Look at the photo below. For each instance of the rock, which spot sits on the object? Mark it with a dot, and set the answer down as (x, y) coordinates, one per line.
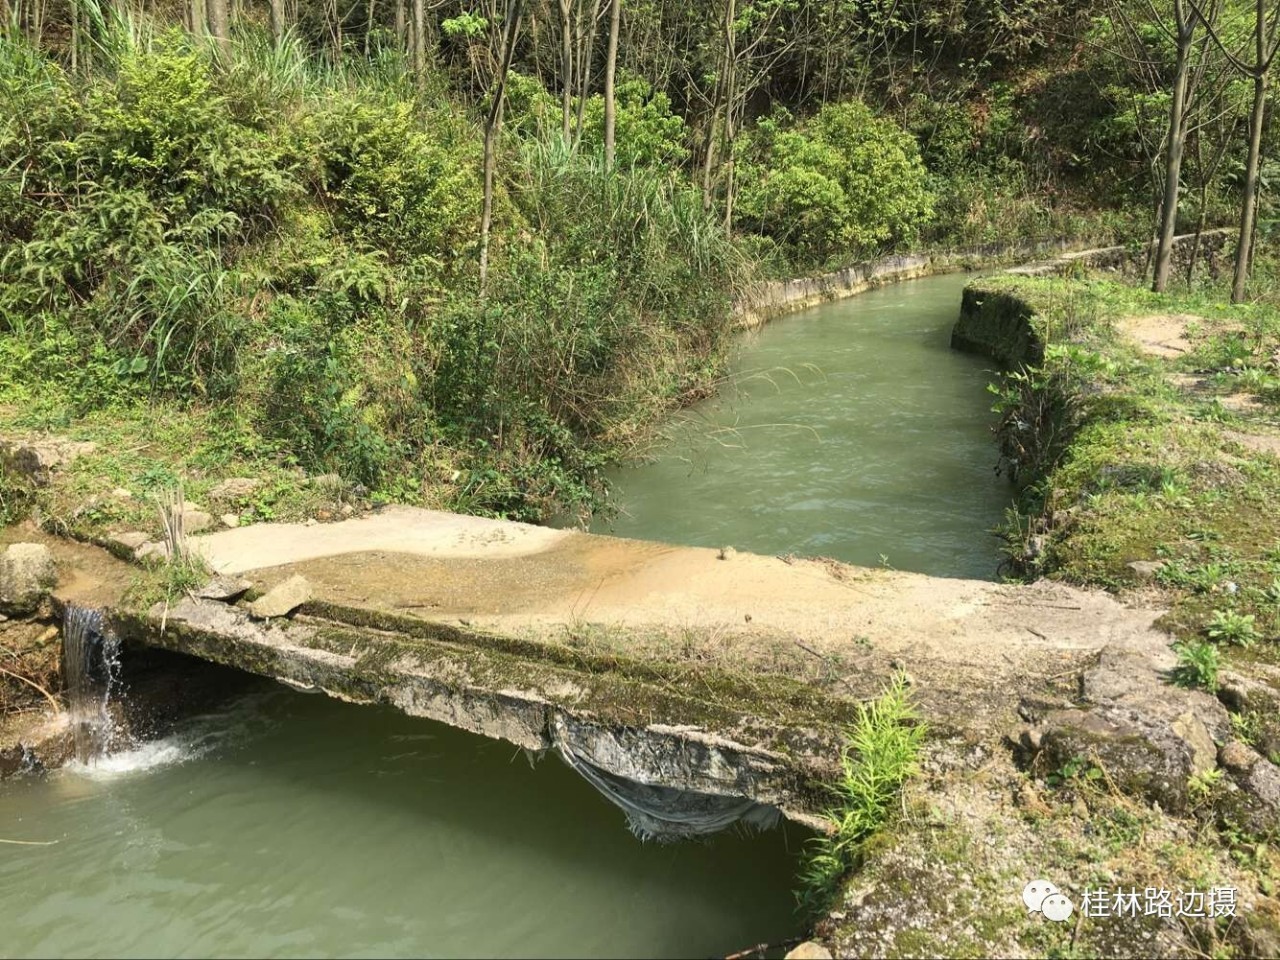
(27, 574)
(34, 460)
(727, 553)
(809, 951)
(1145, 569)
(235, 488)
(152, 549)
(230, 520)
(1255, 806)
(127, 542)
(120, 493)
(283, 598)
(1138, 763)
(226, 589)
(1204, 752)
(347, 510)
(194, 519)
(1237, 758)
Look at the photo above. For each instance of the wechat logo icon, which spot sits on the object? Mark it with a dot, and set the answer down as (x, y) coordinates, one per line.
(1045, 898)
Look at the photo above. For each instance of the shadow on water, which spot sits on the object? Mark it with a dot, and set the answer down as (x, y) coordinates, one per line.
(287, 824)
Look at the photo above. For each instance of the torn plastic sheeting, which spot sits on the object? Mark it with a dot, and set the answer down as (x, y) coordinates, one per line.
(665, 813)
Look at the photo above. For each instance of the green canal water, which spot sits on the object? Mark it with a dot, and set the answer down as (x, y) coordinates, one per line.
(294, 825)
(283, 824)
(851, 431)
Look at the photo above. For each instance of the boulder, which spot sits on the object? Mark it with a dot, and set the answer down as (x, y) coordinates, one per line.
(809, 951)
(230, 520)
(35, 460)
(127, 542)
(235, 488)
(151, 549)
(194, 519)
(283, 598)
(27, 574)
(226, 589)
(1145, 569)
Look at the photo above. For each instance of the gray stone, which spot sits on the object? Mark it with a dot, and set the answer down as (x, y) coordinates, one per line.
(35, 460)
(194, 519)
(1139, 764)
(160, 551)
(283, 598)
(235, 488)
(226, 589)
(809, 951)
(1192, 732)
(1145, 569)
(1237, 758)
(27, 574)
(129, 541)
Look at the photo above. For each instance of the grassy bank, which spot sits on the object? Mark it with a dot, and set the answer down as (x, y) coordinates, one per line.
(265, 264)
(1147, 450)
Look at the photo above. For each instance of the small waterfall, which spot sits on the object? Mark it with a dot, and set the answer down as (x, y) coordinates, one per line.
(91, 671)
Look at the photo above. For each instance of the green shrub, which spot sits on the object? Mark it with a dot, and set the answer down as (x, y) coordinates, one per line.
(845, 184)
(881, 751)
(1198, 665)
(1227, 626)
(401, 183)
(647, 133)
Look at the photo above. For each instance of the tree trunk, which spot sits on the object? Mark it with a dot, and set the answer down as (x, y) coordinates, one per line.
(1249, 206)
(588, 9)
(566, 67)
(277, 19)
(731, 105)
(218, 22)
(610, 73)
(369, 13)
(420, 42)
(401, 20)
(492, 128)
(199, 17)
(74, 13)
(1173, 155)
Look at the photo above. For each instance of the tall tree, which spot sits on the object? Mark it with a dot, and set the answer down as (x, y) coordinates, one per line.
(420, 41)
(1182, 32)
(492, 128)
(277, 18)
(610, 75)
(1265, 41)
(218, 23)
(568, 22)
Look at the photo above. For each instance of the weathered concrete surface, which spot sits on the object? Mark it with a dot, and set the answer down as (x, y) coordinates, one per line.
(663, 664)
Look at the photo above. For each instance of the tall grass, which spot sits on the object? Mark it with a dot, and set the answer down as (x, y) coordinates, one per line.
(881, 752)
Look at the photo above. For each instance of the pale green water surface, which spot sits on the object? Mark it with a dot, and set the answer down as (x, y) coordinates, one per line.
(294, 825)
(852, 431)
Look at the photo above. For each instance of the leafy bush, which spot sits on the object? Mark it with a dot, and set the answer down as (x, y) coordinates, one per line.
(1198, 665)
(1227, 626)
(401, 183)
(647, 132)
(846, 184)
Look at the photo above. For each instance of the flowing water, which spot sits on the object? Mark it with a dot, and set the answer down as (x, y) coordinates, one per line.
(295, 825)
(91, 668)
(289, 825)
(852, 431)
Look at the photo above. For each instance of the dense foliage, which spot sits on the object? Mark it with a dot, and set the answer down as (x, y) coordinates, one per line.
(314, 264)
(286, 222)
